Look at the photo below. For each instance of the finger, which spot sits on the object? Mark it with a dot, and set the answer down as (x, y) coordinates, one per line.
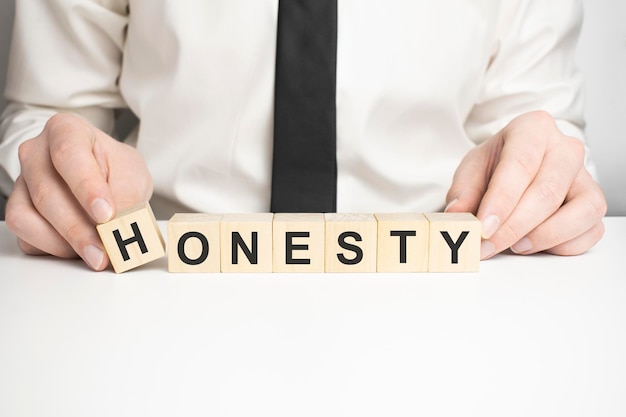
(584, 209)
(581, 243)
(469, 182)
(76, 155)
(53, 201)
(522, 152)
(29, 249)
(129, 178)
(545, 194)
(35, 235)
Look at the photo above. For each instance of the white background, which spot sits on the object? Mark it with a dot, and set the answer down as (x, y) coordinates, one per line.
(538, 336)
(602, 57)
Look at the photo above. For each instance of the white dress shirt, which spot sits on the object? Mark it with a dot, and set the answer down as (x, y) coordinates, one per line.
(419, 83)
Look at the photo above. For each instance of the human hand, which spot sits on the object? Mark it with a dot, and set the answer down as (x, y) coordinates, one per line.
(72, 177)
(530, 189)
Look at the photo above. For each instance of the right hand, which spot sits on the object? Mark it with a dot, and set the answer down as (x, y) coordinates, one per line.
(73, 176)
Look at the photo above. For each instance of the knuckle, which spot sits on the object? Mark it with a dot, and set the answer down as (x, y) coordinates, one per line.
(60, 122)
(598, 231)
(61, 150)
(13, 217)
(41, 196)
(84, 189)
(550, 195)
(511, 233)
(25, 151)
(527, 164)
(542, 118)
(75, 234)
(597, 204)
(575, 149)
(552, 236)
(60, 128)
(27, 248)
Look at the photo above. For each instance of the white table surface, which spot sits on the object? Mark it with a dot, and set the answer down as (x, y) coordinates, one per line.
(526, 336)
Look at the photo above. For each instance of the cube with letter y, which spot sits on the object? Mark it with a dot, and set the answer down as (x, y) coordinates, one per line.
(454, 242)
(132, 238)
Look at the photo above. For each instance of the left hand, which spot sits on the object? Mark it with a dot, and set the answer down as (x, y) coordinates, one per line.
(530, 189)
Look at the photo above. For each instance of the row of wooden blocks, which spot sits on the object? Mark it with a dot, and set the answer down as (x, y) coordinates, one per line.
(282, 242)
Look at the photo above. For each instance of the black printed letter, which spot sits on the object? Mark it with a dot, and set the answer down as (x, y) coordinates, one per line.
(121, 244)
(290, 247)
(403, 235)
(454, 246)
(358, 251)
(181, 248)
(252, 255)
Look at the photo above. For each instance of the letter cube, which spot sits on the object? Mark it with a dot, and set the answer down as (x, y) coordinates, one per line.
(402, 242)
(246, 242)
(454, 242)
(298, 242)
(194, 242)
(350, 242)
(132, 238)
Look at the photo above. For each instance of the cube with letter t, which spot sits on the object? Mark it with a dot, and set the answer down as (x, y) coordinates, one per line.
(402, 242)
(132, 238)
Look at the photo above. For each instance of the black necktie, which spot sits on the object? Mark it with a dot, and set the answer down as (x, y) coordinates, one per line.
(304, 177)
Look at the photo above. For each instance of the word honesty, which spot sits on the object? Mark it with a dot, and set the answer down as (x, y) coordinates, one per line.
(286, 242)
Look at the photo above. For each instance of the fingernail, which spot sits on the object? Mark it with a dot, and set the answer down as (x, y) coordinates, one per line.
(101, 210)
(491, 224)
(93, 256)
(450, 204)
(523, 246)
(486, 249)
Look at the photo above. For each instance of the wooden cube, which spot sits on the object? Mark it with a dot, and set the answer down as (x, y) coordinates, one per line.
(402, 242)
(350, 242)
(454, 242)
(194, 242)
(246, 242)
(299, 242)
(132, 238)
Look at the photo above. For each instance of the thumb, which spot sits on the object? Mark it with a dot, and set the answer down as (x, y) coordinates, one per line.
(129, 178)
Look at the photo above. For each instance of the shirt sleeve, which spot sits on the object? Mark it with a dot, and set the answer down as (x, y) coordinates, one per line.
(65, 56)
(533, 68)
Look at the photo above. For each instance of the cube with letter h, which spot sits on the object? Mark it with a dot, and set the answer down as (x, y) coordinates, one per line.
(132, 238)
